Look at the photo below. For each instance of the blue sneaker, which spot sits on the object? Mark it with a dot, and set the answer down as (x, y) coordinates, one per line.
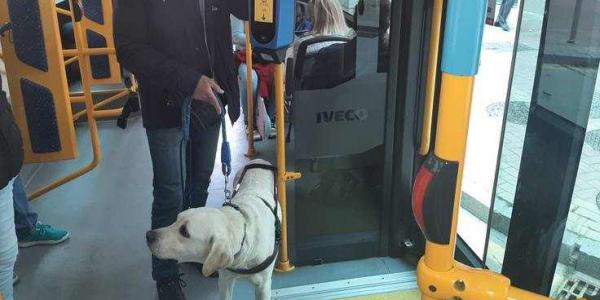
(43, 235)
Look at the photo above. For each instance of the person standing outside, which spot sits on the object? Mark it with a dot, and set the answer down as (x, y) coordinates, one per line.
(505, 8)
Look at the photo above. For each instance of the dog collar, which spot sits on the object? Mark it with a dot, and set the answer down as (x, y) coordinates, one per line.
(269, 260)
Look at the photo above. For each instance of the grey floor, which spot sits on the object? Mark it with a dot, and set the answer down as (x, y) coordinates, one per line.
(107, 212)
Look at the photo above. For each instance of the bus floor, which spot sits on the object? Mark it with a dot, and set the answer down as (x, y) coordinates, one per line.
(108, 212)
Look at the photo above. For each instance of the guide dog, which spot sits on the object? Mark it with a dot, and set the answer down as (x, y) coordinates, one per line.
(239, 240)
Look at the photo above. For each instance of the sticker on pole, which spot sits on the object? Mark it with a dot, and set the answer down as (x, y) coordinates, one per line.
(263, 11)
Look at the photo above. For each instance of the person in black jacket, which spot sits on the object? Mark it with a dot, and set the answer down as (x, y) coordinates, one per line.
(181, 53)
(11, 160)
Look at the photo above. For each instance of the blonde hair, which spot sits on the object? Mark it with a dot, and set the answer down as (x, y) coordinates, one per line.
(328, 18)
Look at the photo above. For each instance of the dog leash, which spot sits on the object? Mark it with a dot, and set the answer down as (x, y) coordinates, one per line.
(225, 148)
(225, 152)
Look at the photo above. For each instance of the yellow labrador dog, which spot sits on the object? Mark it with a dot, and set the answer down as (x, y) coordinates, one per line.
(239, 240)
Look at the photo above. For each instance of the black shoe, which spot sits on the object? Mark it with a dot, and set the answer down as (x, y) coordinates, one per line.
(199, 266)
(170, 288)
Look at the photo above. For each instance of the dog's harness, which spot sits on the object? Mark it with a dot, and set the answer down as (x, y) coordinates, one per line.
(269, 260)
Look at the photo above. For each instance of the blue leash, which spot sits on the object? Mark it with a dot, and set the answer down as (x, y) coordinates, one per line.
(225, 152)
(225, 148)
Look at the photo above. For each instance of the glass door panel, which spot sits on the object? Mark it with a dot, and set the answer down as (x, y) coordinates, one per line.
(546, 212)
(486, 120)
(517, 106)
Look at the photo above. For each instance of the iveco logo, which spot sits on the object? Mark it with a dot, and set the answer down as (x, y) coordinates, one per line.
(342, 115)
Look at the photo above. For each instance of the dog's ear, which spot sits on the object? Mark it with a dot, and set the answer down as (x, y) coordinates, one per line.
(220, 256)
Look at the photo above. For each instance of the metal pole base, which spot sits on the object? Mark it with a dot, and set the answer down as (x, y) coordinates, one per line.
(251, 153)
(284, 267)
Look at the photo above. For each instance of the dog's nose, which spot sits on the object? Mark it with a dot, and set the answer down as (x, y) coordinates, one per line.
(150, 237)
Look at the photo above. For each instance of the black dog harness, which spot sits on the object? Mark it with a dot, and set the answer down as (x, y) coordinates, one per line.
(269, 260)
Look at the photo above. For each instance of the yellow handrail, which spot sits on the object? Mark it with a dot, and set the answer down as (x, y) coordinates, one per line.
(249, 93)
(434, 49)
(81, 52)
(283, 176)
(88, 51)
(103, 103)
(71, 60)
(64, 12)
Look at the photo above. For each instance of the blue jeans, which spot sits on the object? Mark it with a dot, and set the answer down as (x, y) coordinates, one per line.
(8, 242)
(170, 164)
(244, 93)
(244, 88)
(505, 9)
(25, 219)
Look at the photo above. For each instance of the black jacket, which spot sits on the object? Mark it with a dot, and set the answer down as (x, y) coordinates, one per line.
(11, 145)
(162, 43)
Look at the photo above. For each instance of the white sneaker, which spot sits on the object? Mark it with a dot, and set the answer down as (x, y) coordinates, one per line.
(257, 136)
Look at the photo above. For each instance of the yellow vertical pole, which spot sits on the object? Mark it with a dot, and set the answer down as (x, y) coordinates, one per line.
(283, 176)
(251, 152)
(438, 272)
(462, 45)
(450, 145)
(434, 49)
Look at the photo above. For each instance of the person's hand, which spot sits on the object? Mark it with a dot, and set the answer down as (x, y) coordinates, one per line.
(205, 91)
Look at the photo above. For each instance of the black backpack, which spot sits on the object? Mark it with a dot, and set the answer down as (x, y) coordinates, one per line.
(11, 145)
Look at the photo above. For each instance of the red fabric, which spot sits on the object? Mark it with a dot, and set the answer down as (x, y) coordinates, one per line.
(265, 72)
